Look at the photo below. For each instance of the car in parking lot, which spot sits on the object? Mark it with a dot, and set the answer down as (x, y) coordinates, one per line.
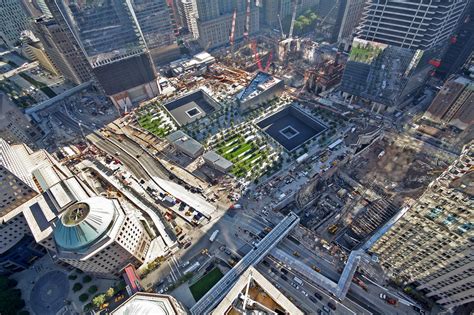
(326, 309)
(312, 299)
(284, 277)
(294, 285)
(283, 270)
(274, 270)
(304, 293)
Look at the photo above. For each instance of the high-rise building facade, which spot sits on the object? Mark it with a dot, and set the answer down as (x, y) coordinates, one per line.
(397, 45)
(349, 16)
(110, 38)
(189, 12)
(13, 21)
(431, 244)
(214, 21)
(24, 211)
(36, 8)
(411, 24)
(454, 103)
(16, 184)
(157, 22)
(62, 50)
(460, 47)
(14, 125)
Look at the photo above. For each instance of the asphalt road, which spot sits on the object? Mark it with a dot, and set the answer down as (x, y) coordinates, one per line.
(148, 161)
(127, 159)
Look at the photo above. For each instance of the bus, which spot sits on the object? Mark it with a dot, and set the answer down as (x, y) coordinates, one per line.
(213, 236)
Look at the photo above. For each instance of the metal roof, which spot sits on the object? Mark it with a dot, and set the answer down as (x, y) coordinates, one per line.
(84, 223)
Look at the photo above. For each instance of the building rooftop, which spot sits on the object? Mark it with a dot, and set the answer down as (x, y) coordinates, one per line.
(84, 223)
(149, 304)
(217, 160)
(191, 107)
(262, 296)
(184, 142)
(261, 81)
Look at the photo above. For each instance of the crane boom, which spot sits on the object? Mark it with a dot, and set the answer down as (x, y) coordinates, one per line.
(293, 18)
(269, 61)
(247, 21)
(281, 27)
(232, 32)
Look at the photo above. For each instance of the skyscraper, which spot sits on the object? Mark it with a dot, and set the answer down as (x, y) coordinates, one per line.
(36, 8)
(16, 184)
(461, 45)
(13, 22)
(348, 18)
(190, 16)
(14, 125)
(24, 175)
(108, 34)
(431, 244)
(63, 50)
(214, 21)
(411, 24)
(157, 22)
(397, 44)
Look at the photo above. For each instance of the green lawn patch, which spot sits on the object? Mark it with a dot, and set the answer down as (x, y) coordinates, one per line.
(203, 285)
(154, 125)
(246, 155)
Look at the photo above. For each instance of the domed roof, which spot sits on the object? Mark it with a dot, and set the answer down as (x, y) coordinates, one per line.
(83, 223)
(149, 304)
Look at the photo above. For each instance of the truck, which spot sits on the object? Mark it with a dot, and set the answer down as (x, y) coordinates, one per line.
(298, 281)
(192, 268)
(302, 158)
(335, 144)
(213, 236)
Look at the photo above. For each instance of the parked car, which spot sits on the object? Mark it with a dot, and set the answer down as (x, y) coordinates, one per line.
(332, 306)
(312, 299)
(383, 296)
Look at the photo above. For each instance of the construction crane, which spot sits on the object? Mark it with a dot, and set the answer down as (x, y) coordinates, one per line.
(258, 60)
(269, 61)
(232, 33)
(328, 14)
(293, 18)
(247, 21)
(256, 55)
(281, 27)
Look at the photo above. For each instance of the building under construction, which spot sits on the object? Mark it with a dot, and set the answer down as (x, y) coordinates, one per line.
(324, 76)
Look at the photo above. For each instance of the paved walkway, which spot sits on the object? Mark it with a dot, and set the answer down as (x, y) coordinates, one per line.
(49, 293)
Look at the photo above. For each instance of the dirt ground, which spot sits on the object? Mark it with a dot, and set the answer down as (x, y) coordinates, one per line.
(397, 167)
